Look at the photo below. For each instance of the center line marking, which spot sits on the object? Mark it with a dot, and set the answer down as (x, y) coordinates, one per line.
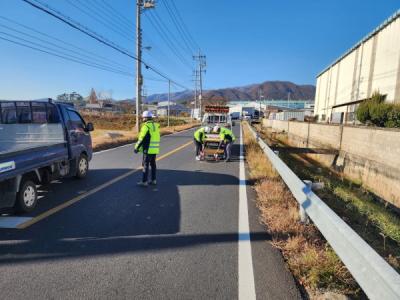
(91, 192)
(246, 274)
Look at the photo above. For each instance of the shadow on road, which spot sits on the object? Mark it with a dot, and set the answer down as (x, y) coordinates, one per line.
(32, 251)
(122, 218)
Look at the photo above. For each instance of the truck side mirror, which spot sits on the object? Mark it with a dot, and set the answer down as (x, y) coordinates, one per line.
(89, 127)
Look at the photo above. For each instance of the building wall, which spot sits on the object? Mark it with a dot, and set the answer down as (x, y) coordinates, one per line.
(373, 65)
(369, 156)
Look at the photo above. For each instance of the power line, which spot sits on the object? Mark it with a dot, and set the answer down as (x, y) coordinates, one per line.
(100, 58)
(64, 57)
(185, 28)
(97, 19)
(169, 31)
(113, 17)
(178, 27)
(93, 35)
(88, 57)
(122, 17)
(154, 22)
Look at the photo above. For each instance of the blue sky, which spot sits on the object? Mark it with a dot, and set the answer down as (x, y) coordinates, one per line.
(245, 42)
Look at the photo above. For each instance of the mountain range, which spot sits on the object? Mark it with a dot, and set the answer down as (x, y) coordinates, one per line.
(276, 90)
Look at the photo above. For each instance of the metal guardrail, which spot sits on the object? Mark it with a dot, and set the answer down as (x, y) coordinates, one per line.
(375, 276)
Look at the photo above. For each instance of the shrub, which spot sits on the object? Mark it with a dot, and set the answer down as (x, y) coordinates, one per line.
(393, 117)
(363, 112)
(378, 112)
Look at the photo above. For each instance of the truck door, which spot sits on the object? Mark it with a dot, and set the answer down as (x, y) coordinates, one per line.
(79, 137)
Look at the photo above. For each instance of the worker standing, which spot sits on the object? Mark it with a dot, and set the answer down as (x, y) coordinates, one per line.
(199, 136)
(148, 143)
(227, 138)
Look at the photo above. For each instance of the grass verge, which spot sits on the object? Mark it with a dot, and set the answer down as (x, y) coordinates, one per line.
(378, 225)
(309, 257)
(103, 139)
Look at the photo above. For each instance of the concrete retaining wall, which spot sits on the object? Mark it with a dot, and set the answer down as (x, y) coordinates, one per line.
(367, 155)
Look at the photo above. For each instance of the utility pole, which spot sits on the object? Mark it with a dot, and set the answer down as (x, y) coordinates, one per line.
(140, 6)
(169, 98)
(195, 91)
(201, 68)
(260, 97)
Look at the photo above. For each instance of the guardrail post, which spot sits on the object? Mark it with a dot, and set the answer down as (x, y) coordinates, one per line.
(302, 212)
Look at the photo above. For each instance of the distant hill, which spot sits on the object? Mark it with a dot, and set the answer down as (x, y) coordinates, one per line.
(277, 90)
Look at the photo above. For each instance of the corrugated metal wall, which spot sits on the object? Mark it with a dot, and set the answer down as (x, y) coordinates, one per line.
(373, 65)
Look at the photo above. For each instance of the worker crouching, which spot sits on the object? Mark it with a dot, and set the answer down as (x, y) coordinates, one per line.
(149, 144)
(199, 136)
(227, 138)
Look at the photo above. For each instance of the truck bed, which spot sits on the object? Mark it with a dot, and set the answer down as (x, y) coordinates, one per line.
(26, 147)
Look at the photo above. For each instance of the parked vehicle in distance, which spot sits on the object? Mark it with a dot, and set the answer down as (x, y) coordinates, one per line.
(217, 115)
(235, 115)
(40, 141)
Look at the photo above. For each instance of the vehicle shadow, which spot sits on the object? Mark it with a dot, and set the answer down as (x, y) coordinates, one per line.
(121, 218)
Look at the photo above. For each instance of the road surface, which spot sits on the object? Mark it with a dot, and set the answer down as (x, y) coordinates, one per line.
(105, 238)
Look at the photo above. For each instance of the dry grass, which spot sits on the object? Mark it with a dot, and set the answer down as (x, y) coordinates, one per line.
(313, 263)
(124, 122)
(376, 223)
(104, 139)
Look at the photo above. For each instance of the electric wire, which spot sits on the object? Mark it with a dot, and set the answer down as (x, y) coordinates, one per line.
(86, 57)
(156, 25)
(61, 17)
(82, 10)
(64, 57)
(93, 54)
(183, 24)
(102, 9)
(179, 28)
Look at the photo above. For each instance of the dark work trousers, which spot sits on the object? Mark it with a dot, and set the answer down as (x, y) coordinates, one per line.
(198, 147)
(228, 147)
(149, 160)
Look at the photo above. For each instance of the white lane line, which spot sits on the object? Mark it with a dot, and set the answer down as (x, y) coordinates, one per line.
(12, 222)
(246, 274)
(131, 144)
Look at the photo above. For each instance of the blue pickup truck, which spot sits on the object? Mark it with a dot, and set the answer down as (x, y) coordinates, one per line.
(40, 141)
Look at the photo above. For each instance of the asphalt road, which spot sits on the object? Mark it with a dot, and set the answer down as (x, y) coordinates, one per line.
(96, 239)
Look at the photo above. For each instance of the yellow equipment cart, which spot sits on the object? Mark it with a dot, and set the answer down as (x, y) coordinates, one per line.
(210, 148)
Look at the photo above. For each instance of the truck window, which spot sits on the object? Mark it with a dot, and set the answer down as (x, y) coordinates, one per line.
(8, 113)
(39, 113)
(76, 122)
(24, 115)
(53, 116)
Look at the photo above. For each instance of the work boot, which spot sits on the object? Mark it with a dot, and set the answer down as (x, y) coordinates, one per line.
(142, 184)
(197, 157)
(153, 182)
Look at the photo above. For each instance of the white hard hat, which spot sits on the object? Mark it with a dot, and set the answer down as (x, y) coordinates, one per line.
(216, 128)
(147, 114)
(207, 129)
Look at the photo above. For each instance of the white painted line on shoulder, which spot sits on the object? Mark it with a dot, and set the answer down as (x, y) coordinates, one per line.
(246, 274)
(12, 222)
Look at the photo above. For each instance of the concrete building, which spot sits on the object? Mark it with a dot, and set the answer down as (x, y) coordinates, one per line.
(371, 65)
(175, 110)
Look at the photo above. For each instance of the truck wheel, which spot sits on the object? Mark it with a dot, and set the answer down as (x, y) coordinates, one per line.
(83, 167)
(26, 197)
